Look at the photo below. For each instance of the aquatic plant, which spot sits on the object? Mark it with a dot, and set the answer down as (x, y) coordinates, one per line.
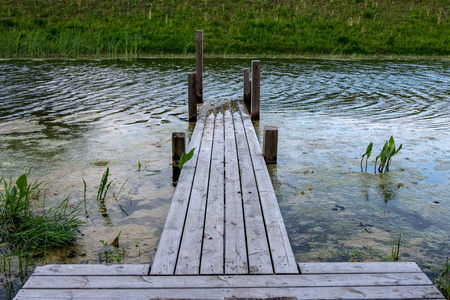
(111, 252)
(443, 280)
(26, 234)
(367, 155)
(103, 187)
(395, 248)
(185, 158)
(386, 155)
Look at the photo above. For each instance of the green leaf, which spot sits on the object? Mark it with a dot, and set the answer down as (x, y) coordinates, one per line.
(22, 184)
(369, 150)
(400, 147)
(185, 158)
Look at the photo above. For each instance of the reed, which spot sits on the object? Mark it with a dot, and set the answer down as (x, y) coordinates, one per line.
(443, 280)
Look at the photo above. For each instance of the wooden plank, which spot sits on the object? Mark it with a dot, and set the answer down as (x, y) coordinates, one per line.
(383, 292)
(191, 242)
(359, 267)
(235, 281)
(166, 255)
(235, 245)
(212, 252)
(282, 255)
(63, 270)
(259, 259)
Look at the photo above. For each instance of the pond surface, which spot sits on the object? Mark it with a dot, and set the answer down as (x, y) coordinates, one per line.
(70, 120)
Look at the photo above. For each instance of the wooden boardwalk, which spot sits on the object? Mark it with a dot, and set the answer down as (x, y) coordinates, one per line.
(317, 281)
(224, 217)
(224, 238)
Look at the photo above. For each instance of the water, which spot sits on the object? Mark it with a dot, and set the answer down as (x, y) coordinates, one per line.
(66, 119)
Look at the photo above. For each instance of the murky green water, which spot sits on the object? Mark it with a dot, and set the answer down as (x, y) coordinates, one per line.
(65, 118)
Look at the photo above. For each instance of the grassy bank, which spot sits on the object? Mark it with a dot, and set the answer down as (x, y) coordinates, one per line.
(75, 28)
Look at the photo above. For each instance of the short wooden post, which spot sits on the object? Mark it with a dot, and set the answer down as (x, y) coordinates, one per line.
(192, 97)
(178, 148)
(199, 64)
(270, 144)
(247, 89)
(255, 89)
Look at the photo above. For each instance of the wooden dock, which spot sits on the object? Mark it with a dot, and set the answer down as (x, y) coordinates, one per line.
(224, 217)
(224, 238)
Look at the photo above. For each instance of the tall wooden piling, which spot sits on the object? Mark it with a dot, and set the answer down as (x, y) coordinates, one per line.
(199, 64)
(255, 89)
(247, 89)
(192, 96)
(270, 144)
(178, 148)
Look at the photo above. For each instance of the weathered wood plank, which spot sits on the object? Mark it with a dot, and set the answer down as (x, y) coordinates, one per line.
(235, 245)
(259, 258)
(213, 239)
(63, 270)
(166, 255)
(191, 241)
(383, 292)
(359, 267)
(282, 255)
(235, 281)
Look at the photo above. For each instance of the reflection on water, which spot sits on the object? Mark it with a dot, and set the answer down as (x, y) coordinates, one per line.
(61, 117)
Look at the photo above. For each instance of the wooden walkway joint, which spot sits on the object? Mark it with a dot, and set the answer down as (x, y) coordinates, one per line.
(224, 217)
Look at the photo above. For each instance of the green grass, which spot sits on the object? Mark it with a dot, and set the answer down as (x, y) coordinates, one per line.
(25, 233)
(79, 28)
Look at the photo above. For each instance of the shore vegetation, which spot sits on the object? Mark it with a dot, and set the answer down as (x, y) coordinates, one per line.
(136, 28)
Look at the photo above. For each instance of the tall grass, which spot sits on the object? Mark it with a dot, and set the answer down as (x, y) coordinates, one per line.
(25, 233)
(113, 28)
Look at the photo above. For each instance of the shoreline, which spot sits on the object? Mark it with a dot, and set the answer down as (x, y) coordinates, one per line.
(244, 56)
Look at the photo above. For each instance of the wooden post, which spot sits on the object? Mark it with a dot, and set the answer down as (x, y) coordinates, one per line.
(270, 144)
(199, 63)
(247, 89)
(255, 89)
(178, 148)
(192, 97)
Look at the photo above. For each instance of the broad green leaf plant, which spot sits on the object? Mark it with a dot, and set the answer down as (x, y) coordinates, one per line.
(385, 156)
(185, 158)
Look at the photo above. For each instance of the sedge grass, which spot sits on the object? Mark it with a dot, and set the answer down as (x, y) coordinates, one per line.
(26, 234)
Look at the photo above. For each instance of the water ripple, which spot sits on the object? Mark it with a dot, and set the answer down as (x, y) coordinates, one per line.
(406, 91)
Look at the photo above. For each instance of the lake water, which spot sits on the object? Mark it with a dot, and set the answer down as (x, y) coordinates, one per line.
(69, 120)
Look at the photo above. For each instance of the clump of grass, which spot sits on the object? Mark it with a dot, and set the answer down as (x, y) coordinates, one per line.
(443, 281)
(395, 248)
(25, 230)
(26, 234)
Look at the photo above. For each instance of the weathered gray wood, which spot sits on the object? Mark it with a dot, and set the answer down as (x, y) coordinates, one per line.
(255, 89)
(191, 240)
(259, 259)
(166, 255)
(235, 245)
(213, 238)
(359, 267)
(383, 292)
(192, 96)
(247, 89)
(63, 270)
(235, 281)
(270, 144)
(282, 255)
(199, 64)
(178, 146)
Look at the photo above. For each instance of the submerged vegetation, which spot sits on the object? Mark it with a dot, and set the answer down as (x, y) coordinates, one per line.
(74, 28)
